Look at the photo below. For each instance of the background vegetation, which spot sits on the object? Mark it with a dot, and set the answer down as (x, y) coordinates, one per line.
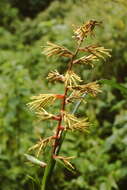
(102, 154)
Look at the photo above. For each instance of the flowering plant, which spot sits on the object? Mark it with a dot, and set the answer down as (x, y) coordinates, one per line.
(74, 89)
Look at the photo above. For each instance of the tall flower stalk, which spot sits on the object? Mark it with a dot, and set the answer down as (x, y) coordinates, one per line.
(74, 89)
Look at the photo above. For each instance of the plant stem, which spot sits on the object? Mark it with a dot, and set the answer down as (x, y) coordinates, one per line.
(61, 134)
(58, 132)
(48, 172)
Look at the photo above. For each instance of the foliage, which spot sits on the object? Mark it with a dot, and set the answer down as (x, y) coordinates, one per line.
(29, 8)
(101, 155)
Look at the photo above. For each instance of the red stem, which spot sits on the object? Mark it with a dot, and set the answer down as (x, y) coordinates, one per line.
(59, 130)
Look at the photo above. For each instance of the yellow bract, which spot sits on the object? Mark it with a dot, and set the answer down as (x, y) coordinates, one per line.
(98, 51)
(41, 101)
(54, 49)
(65, 160)
(71, 78)
(74, 95)
(86, 60)
(92, 88)
(55, 76)
(44, 115)
(83, 31)
(73, 123)
(41, 144)
(73, 89)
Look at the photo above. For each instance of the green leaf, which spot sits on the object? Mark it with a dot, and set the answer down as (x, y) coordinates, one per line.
(116, 85)
(35, 160)
(35, 180)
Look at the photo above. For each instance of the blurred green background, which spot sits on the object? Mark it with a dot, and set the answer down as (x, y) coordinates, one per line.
(101, 155)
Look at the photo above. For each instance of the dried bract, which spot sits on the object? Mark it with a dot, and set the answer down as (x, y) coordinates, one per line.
(44, 115)
(71, 78)
(74, 95)
(55, 76)
(41, 144)
(98, 51)
(73, 123)
(92, 88)
(86, 60)
(53, 49)
(65, 160)
(41, 101)
(83, 31)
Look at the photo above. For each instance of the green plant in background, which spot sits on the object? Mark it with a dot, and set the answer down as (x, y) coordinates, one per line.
(74, 89)
(101, 162)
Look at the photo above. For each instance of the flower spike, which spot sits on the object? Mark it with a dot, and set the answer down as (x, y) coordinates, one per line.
(73, 89)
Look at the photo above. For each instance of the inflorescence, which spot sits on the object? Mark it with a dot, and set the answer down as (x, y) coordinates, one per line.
(74, 88)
